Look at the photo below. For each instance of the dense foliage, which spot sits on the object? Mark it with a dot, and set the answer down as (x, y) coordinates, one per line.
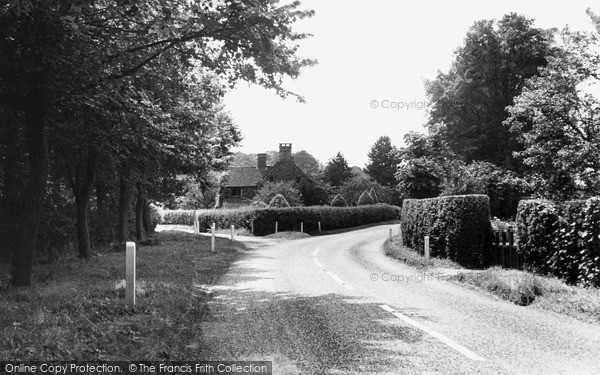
(458, 227)
(561, 239)
(262, 220)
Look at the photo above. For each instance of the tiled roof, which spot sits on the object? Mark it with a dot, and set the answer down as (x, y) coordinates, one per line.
(243, 176)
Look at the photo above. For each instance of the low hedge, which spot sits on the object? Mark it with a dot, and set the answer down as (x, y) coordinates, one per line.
(458, 227)
(288, 218)
(561, 239)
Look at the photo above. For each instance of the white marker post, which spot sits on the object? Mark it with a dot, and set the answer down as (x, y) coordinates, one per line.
(130, 274)
(232, 232)
(196, 223)
(276, 226)
(252, 227)
(212, 238)
(301, 227)
(426, 247)
(390, 234)
(319, 226)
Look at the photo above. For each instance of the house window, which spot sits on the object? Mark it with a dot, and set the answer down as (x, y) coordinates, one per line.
(298, 180)
(236, 192)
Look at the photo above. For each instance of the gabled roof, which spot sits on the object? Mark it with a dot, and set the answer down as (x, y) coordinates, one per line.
(281, 164)
(243, 176)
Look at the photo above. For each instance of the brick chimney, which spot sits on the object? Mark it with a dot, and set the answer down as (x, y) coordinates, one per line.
(262, 161)
(285, 151)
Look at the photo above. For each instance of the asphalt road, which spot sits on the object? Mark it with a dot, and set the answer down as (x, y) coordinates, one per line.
(337, 305)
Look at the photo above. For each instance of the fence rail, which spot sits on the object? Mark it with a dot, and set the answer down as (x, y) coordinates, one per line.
(505, 254)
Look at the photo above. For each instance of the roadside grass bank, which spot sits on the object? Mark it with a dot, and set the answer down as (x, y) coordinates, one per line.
(76, 310)
(519, 287)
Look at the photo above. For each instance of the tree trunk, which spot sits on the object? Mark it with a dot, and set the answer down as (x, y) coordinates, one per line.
(83, 232)
(124, 197)
(139, 212)
(147, 218)
(83, 189)
(33, 198)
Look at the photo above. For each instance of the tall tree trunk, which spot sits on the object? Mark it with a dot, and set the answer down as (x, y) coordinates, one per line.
(83, 193)
(10, 197)
(83, 231)
(124, 198)
(139, 212)
(33, 197)
(147, 218)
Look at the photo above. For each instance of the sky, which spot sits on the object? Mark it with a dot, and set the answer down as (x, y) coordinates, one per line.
(372, 63)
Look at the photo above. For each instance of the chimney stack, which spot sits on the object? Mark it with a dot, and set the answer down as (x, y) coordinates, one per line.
(262, 161)
(285, 151)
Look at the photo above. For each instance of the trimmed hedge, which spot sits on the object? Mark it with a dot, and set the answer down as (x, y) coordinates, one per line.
(288, 218)
(561, 239)
(458, 227)
(365, 199)
(338, 201)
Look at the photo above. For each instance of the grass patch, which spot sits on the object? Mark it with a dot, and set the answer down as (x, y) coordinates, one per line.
(350, 229)
(76, 309)
(395, 249)
(288, 235)
(524, 288)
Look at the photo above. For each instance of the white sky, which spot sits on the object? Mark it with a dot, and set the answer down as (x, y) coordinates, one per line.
(376, 51)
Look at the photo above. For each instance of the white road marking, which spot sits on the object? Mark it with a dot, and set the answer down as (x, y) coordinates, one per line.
(317, 262)
(316, 251)
(336, 278)
(451, 343)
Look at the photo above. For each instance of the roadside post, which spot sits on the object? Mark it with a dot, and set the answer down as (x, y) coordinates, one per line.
(232, 232)
(390, 234)
(426, 247)
(319, 226)
(301, 227)
(196, 223)
(276, 227)
(212, 238)
(130, 274)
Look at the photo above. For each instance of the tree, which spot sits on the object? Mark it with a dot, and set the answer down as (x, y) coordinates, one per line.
(383, 162)
(419, 178)
(489, 70)
(57, 54)
(314, 193)
(337, 171)
(308, 163)
(556, 118)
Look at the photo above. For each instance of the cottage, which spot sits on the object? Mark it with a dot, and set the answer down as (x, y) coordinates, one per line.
(241, 183)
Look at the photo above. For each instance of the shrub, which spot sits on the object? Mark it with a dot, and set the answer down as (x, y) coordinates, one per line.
(561, 239)
(338, 201)
(270, 189)
(278, 201)
(182, 217)
(374, 195)
(365, 199)
(258, 204)
(458, 227)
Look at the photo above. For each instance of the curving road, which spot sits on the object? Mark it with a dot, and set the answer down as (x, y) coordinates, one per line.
(337, 305)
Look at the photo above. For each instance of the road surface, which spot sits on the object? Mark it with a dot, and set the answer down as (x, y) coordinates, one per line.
(337, 305)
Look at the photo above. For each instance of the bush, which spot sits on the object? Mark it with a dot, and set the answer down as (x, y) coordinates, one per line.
(365, 199)
(458, 227)
(374, 195)
(278, 201)
(561, 239)
(338, 201)
(270, 189)
(288, 218)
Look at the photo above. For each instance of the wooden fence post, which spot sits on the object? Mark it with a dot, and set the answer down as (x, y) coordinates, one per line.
(319, 226)
(426, 247)
(130, 274)
(232, 232)
(301, 227)
(390, 234)
(252, 227)
(276, 226)
(212, 238)
(196, 223)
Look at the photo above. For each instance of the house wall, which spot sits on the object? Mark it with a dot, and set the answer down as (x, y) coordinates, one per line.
(288, 172)
(246, 192)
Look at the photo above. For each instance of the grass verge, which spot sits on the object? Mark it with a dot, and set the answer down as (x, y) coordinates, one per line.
(520, 287)
(526, 289)
(76, 310)
(395, 249)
